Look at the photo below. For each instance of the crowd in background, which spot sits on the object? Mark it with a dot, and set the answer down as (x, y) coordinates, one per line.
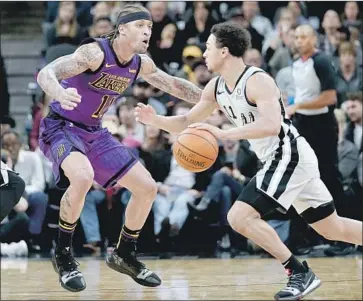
(190, 211)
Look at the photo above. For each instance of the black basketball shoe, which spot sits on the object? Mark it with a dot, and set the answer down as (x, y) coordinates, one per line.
(66, 266)
(130, 266)
(299, 285)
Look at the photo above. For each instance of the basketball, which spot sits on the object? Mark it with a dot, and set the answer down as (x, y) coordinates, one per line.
(195, 150)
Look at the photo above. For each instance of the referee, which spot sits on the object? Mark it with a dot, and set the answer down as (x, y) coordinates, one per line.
(313, 109)
(11, 189)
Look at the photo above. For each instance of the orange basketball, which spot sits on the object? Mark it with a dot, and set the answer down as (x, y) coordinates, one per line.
(195, 150)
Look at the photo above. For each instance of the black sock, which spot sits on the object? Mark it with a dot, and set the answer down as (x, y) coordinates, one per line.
(65, 235)
(127, 241)
(293, 266)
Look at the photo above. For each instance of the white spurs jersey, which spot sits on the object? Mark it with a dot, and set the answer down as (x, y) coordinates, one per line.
(240, 112)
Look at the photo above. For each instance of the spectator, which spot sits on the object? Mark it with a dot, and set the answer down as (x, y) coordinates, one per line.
(283, 55)
(102, 9)
(83, 12)
(251, 13)
(285, 21)
(349, 77)
(29, 166)
(348, 164)
(301, 15)
(351, 15)
(65, 28)
(132, 132)
(202, 74)
(89, 218)
(100, 26)
(158, 11)
(7, 123)
(347, 151)
(333, 35)
(197, 29)
(237, 16)
(142, 91)
(253, 57)
(353, 108)
(41, 111)
(190, 55)
(168, 49)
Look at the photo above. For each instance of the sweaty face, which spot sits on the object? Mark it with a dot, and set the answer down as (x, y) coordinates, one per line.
(138, 34)
(213, 55)
(354, 110)
(304, 40)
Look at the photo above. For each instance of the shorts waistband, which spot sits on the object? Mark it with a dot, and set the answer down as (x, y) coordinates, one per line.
(56, 116)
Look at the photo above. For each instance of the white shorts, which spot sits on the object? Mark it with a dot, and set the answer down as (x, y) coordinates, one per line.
(290, 177)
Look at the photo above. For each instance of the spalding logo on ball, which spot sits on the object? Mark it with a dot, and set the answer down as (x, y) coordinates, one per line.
(195, 150)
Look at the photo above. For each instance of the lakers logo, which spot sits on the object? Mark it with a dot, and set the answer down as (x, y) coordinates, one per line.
(60, 151)
(111, 82)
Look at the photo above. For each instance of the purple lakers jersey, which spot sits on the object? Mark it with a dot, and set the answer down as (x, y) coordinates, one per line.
(99, 89)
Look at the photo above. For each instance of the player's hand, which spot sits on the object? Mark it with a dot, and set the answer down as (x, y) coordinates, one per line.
(144, 113)
(69, 98)
(216, 132)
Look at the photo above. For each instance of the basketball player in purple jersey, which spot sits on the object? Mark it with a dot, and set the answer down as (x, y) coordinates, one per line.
(81, 151)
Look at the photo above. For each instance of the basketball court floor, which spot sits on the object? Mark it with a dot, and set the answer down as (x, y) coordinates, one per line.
(183, 278)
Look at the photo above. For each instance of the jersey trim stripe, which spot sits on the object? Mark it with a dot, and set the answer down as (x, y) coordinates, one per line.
(237, 81)
(216, 87)
(251, 103)
(294, 161)
(282, 167)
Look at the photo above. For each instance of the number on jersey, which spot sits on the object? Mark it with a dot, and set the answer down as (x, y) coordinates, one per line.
(106, 102)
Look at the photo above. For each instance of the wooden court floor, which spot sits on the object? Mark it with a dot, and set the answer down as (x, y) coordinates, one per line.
(183, 279)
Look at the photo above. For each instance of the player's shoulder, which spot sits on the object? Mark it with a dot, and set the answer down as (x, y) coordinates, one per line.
(259, 77)
(211, 87)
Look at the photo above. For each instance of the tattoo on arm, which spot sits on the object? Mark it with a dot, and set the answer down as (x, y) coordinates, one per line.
(175, 86)
(88, 56)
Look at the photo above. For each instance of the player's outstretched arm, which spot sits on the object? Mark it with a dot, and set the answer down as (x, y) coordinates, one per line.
(269, 108)
(175, 124)
(175, 86)
(88, 56)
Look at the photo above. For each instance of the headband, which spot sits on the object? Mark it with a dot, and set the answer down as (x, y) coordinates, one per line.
(142, 15)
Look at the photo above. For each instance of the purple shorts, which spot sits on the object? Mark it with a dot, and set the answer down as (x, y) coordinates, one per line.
(109, 158)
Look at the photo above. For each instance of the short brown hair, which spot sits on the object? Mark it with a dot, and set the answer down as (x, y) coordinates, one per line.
(347, 48)
(356, 96)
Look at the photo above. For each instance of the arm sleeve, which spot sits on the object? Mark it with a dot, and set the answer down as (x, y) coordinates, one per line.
(325, 72)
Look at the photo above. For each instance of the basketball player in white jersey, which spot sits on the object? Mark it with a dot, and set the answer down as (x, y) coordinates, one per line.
(290, 175)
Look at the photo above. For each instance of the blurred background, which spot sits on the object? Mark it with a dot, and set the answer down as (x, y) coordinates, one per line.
(191, 219)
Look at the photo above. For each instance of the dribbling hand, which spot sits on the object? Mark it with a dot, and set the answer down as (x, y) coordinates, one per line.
(69, 98)
(144, 113)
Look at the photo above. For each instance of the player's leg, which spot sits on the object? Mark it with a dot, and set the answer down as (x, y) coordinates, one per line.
(78, 170)
(335, 227)
(143, 192)
(245, 218)
(320, 213)
(10, 193)
(114, 164)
